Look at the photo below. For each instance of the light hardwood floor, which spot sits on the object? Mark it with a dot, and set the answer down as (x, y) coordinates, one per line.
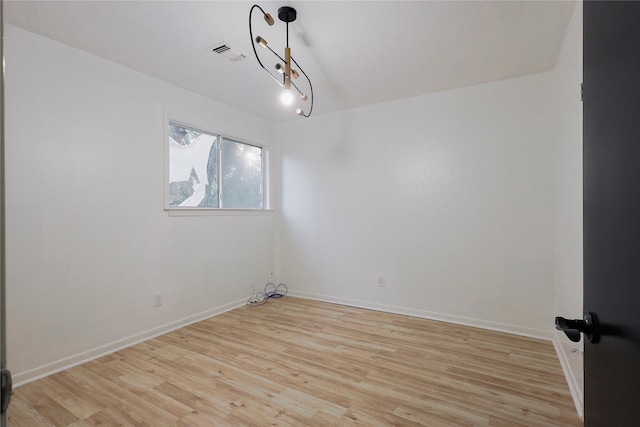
(296, 362)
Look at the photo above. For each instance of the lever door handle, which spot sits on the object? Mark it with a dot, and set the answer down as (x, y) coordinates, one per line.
(588, 325)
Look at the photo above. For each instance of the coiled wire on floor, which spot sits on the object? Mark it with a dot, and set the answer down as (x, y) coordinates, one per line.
(270, 291)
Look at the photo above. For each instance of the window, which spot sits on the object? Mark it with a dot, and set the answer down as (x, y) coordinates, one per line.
(210, 171)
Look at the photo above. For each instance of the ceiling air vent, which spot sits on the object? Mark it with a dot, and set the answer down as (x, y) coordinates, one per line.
(229, 52)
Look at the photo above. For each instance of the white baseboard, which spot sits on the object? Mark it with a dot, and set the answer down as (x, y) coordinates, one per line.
(459, 320)
(574, 385)
(22, 378)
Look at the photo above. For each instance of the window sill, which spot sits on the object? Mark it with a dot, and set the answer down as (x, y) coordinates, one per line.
(217, 212)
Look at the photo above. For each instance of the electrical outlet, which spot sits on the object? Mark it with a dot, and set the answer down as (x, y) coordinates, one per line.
(382, 282)
(157, 300)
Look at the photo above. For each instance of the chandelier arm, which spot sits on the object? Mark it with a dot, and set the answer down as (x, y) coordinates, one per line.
(274, 77)
(268, 47)
(297, 88)
(280, 58)
(274, 52)
(251, 35)
(310, 85)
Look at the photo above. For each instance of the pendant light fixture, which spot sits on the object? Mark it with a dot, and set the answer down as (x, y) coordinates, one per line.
(288, 69)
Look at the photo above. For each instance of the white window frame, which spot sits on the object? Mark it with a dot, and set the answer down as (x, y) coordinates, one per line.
(199, 211)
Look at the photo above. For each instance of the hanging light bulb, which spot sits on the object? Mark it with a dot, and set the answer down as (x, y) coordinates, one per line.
(286, 97)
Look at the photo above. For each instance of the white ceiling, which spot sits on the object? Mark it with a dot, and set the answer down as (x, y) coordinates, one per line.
(356, 53)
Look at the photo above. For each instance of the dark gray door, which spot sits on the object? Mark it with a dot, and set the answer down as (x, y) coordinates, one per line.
(612, 211)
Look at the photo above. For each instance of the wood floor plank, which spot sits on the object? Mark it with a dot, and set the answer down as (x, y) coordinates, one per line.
(47, 407)
(297, 362)
(73, 403)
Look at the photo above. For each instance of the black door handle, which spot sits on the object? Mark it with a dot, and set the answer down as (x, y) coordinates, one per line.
(588, 325)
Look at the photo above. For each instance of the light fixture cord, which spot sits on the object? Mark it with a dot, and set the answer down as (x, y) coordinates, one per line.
(254, 46)
(251, 32)
(310, 85)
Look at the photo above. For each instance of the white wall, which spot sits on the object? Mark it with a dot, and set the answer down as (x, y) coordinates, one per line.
(448, 196)
(88, 242)
(568, 272)
(468, 202)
